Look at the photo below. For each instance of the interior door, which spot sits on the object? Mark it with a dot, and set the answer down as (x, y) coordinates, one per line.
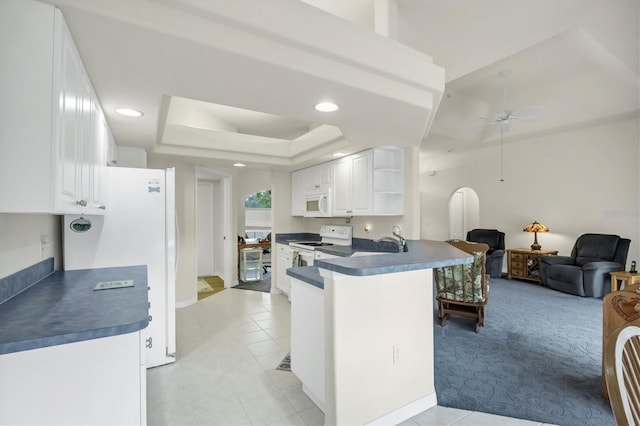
(205, 235)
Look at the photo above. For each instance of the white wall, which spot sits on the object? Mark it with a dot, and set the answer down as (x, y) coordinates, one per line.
(579, 181)
(132, 157)
(20, 241)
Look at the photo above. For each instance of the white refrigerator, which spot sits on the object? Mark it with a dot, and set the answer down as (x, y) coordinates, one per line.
(138, 228)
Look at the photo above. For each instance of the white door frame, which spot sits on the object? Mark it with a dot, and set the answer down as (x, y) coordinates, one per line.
(223, 229)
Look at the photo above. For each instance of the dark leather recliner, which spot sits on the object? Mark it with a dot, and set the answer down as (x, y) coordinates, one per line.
(586, 271)
(495, 256)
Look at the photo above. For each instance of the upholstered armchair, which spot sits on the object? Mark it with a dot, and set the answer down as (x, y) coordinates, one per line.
(586, 271)
(463, 289)
(495, 240)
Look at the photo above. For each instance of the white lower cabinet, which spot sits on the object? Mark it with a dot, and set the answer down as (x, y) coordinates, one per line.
(98, 381)
(307, 339)
(283, 281)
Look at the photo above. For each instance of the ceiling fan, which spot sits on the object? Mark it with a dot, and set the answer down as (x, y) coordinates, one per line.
(507, 116)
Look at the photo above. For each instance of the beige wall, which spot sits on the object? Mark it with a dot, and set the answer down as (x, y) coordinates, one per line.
(21, 241)
(578, 181)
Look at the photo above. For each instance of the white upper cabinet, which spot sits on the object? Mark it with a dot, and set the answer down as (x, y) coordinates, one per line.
(52, 138)
(318, 178)
(388, 181)
(352, 190)
(312, 180)
(368, 183)
(297, 192)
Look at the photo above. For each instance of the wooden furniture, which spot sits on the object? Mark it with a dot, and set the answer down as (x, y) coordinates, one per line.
(524, 263)
(627, 278)
(464, 289)
(617, 312)
(622, 372)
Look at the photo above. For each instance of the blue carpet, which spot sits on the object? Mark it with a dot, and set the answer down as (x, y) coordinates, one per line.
(538, 357)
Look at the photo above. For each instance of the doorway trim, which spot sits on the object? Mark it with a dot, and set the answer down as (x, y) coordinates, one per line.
(223, 228)
(464, 212)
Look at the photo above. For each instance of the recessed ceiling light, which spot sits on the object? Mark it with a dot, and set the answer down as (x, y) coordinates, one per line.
(239, 165)
(326, 107)
(129, 112)
(338, 154)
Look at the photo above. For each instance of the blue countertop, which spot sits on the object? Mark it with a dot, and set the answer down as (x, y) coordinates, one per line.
(420, 254)
(65, 308)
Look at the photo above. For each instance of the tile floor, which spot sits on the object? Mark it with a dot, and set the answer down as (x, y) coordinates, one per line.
(228, 347)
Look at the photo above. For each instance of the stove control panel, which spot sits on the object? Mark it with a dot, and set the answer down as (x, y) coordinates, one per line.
(336, 232)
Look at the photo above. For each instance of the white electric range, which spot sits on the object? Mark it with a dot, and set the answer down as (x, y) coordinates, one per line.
(331, 235)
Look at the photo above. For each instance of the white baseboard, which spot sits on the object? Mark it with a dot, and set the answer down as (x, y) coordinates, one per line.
(185, 303)
(404, 413)
(319, 403)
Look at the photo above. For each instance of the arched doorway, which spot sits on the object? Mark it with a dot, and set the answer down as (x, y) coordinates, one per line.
(464, 212)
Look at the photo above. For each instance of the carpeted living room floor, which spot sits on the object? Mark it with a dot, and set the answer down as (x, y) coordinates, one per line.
(538, 357)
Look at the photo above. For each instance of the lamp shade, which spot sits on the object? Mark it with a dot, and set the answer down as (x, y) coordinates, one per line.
(535, 227)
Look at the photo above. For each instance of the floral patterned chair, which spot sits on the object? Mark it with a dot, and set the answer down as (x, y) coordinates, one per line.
(464, 289)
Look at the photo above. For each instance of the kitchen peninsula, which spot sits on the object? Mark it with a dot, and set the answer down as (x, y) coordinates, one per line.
(71, 353)
(374, 331)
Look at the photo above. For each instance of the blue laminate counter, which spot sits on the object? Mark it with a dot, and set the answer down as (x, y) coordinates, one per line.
(420, 254)
(65, 308)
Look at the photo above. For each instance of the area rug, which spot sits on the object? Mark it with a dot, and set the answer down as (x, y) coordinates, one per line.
(285, 364)
(538, 357)
(263, 285)
(208, 286)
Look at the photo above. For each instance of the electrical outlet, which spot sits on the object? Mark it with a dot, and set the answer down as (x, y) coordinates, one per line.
(396, 354)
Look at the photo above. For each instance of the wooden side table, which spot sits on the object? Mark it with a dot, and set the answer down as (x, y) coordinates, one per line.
(524, 263)
(627, 278)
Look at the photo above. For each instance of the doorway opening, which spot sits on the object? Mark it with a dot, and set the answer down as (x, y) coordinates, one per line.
(464, 212)
(213, 224)
(254, 254)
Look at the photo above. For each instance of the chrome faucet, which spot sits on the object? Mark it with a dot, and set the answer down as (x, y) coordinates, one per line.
(403, 242)
(400, 241)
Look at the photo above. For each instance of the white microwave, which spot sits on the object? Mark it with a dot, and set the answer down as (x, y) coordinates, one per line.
(318, 204)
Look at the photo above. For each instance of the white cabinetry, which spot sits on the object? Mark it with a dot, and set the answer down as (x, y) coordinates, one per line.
(318, 178)
(369, 183)
(388, 181)
(353, 190)
(98, 381)
(283, 281)
(297, 192)
(311, 180)
(307, 339)
(52, 145)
